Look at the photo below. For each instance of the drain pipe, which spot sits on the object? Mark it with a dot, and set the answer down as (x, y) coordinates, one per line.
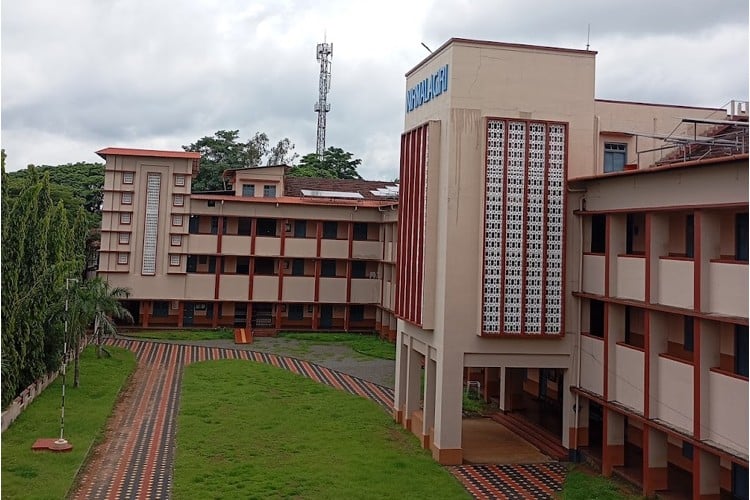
(581, 204)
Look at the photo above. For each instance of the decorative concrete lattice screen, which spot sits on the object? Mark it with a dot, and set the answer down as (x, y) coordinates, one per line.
(522, 286)
(151, 229)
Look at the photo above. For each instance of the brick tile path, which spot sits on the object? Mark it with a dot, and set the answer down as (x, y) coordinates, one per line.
(136, 461)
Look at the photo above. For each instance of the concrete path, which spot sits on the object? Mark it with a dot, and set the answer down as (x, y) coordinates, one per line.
(135, 458)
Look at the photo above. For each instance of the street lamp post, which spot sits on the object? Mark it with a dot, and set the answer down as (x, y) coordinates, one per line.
(62, 441)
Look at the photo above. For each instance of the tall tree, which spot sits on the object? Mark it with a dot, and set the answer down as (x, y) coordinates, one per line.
(334, 163)
(224, 150)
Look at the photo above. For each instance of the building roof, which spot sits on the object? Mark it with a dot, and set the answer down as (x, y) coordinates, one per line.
(293, 186)
(489, 43)
(148, 152)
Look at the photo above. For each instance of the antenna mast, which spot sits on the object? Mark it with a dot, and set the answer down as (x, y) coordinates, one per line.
(324, 55)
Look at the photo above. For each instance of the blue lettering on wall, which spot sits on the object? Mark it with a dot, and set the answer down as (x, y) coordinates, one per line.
(427, 89)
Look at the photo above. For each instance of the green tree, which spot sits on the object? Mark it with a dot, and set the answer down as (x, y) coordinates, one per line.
(224, 150)
(334, 163)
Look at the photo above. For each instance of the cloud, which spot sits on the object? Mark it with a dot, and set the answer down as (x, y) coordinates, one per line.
(81, 75)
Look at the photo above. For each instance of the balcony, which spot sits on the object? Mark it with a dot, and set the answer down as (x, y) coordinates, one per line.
(298, 289)
(234, 287)
(332, 290)
(372, 250)
(200, 286)
(727, 411)
(727, 288)
(365, 291)
(592, 364)
(631, 277)
(593, 274)
(334, 249)
(674, 397)
(202, 244)
(629, 381)
(265, 245)
(675, 285)
(234, 245)
(265, 288)
(300, 247)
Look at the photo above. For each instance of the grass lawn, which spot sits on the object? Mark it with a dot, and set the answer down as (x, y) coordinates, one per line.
(248, 430)
(30, 474)
(582, 484)
(220, 333)
(367, 344)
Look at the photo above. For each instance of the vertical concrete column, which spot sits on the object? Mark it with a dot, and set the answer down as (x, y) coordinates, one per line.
(579, 429)
(501, 397)
(446, 441)
(708, 244)
(657, 333)
(569, 409)
(709, 356)
(613, 452)
(428, 410)
(615, 324)
(707, 471)
(399, 393)
(413, 383)
(654, 461)
(146, 308)
(616, 245)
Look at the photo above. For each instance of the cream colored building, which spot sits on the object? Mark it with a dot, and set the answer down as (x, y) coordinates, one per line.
(583, 262)
(271, 253)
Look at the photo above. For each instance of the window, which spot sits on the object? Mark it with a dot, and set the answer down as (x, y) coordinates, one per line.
(192, 263)
(296, 311)
(300, 228)
(356, 313)
(688, 340)
(122, 258)
(244, 225)
(266, 227)
(635, 243)
(690, 236)
(179, 200)
(328, 268)
(176, 240)
(615, 156)
(359, 269)
(360, 231)
(330, 230)
(269, 191)
(211, 264)
(264, 266)
(127, 177)
(248, 190)
(596, 318)
(687, 450)
(194, 224)
(125, 217)
(740, 236)
(179, 180)
(214, 224)
(126, 198)
(243, 265)
(739, 482)
(177, 220)
(298, 267)
(598, 233)
(160, 309)
(740, 350)
(174, 260)
(124, 238)
(151, 226)
(211, 203)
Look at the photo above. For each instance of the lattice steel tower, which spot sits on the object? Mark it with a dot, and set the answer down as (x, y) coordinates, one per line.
(325, 52)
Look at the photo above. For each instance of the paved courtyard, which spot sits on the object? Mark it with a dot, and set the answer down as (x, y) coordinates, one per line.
(135, 458)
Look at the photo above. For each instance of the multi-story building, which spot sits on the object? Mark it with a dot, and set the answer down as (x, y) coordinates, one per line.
(582, 261)
(270, 253)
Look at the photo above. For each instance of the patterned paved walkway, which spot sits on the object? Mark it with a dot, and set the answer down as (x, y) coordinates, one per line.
(138, 458)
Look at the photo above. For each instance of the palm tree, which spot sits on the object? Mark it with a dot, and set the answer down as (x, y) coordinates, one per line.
(98, 303)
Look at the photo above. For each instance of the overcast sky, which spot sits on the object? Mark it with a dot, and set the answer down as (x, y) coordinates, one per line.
(81, 75)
